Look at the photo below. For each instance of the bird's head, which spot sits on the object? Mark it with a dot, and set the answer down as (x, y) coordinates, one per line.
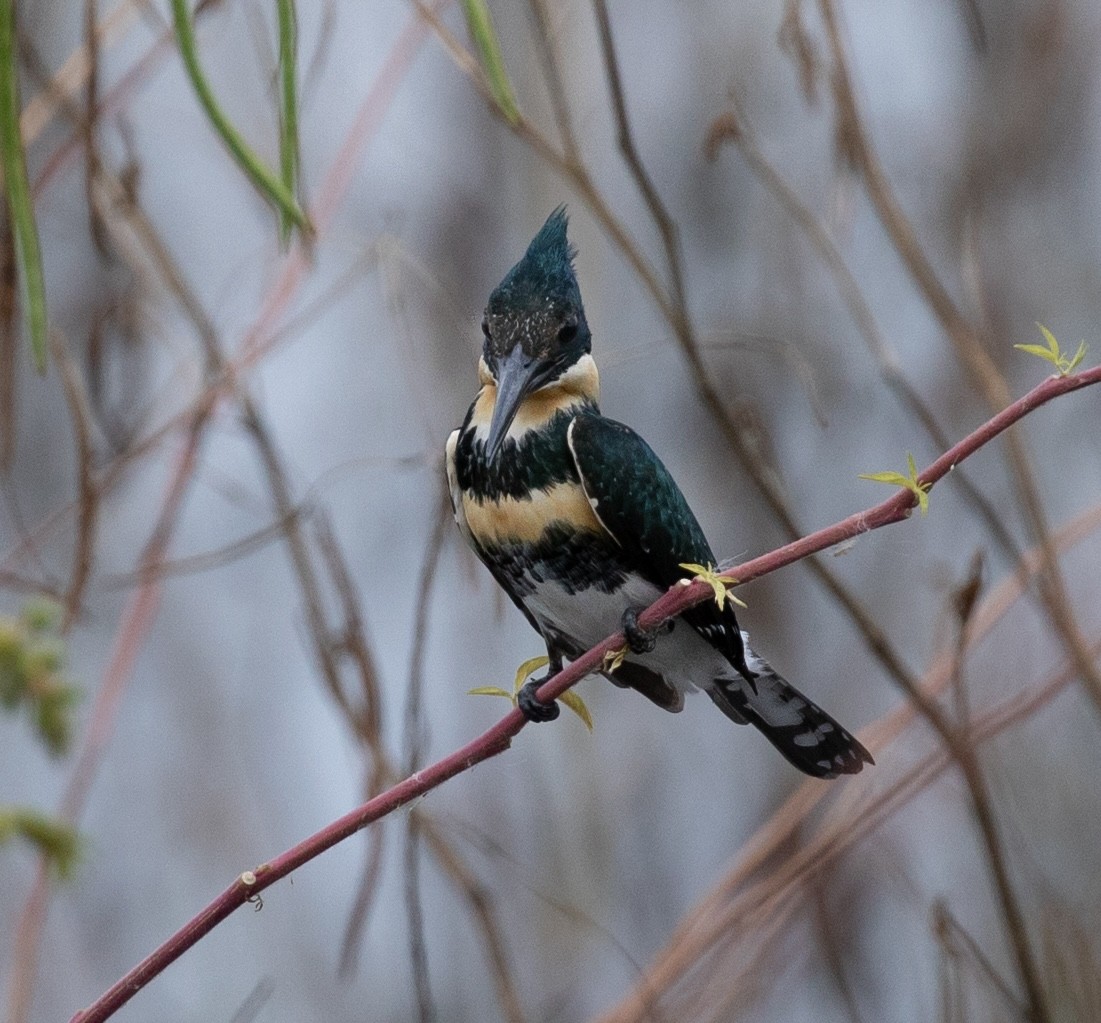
(534, 326)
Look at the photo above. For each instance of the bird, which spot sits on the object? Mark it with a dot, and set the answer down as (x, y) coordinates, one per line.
(582, 525)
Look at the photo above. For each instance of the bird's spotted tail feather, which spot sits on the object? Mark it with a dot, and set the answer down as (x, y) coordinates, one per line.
(804, 733)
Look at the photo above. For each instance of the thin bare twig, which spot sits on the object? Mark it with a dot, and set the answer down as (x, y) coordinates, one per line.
(950, 932)
(414, 740)
(110, 191)
(481, 905)
(205, 561)
(414, 914)
(88, 492)
(366, 724)
(964, 600)
(67, 81)
(559, 103)
(88, 127)
(1016, 927)
(626, 140)
(9, 338)
(350, 640)
(77, 69)
(366, 889)
(830, 938)
(26, 584)
(976, 25)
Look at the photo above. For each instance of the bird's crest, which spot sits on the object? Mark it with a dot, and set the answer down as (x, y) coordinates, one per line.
(545, 276)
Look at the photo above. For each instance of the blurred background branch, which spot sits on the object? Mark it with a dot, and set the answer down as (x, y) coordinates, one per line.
(228, 480)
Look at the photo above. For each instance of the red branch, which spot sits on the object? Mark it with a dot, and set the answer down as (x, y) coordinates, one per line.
(498, 738)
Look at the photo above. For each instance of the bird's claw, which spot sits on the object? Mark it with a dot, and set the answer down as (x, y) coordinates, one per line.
(531, 707)
(640, 640)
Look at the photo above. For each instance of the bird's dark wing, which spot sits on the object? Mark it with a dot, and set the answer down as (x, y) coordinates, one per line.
(640, 505)
(632, 675)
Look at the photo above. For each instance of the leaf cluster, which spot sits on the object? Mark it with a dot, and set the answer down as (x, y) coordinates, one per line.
(31, 662)
(909, 482)
(1051, 352)
(55, 840)
(719, 584)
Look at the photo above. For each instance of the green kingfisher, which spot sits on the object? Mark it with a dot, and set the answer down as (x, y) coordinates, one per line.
(583, 526)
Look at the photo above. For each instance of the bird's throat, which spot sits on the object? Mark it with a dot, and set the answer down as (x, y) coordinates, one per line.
(578, 386)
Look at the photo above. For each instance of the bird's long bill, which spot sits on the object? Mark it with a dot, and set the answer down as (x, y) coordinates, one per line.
(515, 376)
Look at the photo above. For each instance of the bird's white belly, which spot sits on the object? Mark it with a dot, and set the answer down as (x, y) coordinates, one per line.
(685, 659)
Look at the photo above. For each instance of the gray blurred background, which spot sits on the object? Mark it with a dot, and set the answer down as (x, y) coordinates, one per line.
(226, 744)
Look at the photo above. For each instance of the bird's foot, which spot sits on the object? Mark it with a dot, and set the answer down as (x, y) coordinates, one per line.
(534, 709)
(640, 640)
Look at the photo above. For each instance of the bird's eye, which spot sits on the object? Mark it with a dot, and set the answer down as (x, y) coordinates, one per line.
(566, 333)
(485, 328)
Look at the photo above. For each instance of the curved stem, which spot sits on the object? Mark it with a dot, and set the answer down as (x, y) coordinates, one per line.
(266, 181)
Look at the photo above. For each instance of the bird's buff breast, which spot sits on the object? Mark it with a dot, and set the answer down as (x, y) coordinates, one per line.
(525, 520)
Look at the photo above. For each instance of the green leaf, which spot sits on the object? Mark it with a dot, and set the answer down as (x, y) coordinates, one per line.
(528, 668)
(288, 108)
(573, 700)
(480, 24)
(1039, 351)
(1049, 337)
(490, 691)
(28, 254)
(1053, 353)
(894, 478)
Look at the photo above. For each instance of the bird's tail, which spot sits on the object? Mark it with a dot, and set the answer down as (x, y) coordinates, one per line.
(801, 730)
